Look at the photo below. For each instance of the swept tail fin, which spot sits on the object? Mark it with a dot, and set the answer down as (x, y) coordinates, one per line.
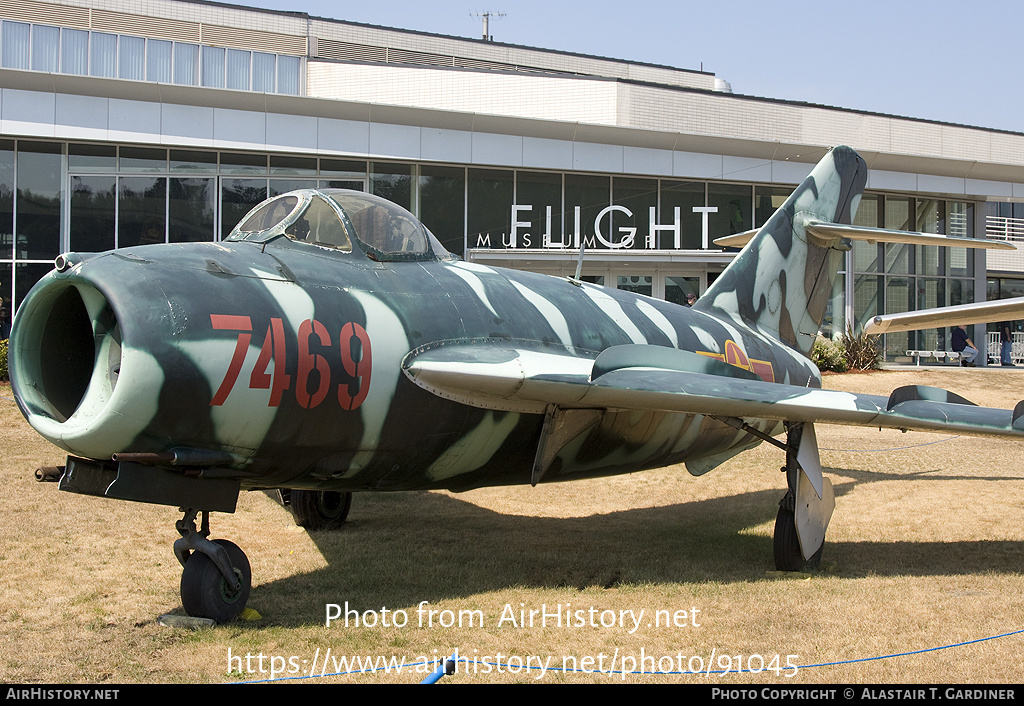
(781, 281)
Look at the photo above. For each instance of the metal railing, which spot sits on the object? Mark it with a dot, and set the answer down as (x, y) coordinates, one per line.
(1001, 228)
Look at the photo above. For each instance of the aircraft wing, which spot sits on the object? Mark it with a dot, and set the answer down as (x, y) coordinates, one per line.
(653, 378)
(979, 313)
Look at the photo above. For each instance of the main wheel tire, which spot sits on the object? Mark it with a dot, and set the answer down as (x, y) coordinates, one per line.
(320, 509)
(787, 545)
(204, 590)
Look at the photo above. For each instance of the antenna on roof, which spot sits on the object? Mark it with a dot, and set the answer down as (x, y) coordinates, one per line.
(487, 15)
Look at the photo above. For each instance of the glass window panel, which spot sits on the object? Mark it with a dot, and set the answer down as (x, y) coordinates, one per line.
(283, 186)
(734, 210)
(677, 288)
(961, 224)
(264, 68)
(898, 259)
(191, 210)
(341, 184)
(288, 75)
(866, 255)
(284, 164)
(25, 277)
(131, 58)
(767, 200)
(593, 279)
(186, 64)
(37, 226)
(639, 196)
(143, 159)
(1008, 288)
(867, 298)
(542, 193)
(141, 211)
(6, 207)
(213, 67)
(74, 51)
(930, 218)
(6, 292)
(15, 37)
(233, 163)
(159, 60)
(684, 195)
(238, 197)
(638, 284)
(585, 197)
(103, 54)
(45, 48)
(489, 207)
(899, 296)
(194, 161)
(442, 204)
(345, 168)
(392, 182)
(238, 64)
(92, 213)
(92, 158)
(931, 294)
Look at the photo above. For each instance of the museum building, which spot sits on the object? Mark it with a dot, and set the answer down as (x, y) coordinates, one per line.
(119, 128)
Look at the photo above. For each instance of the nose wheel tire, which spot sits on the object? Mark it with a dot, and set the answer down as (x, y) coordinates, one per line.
(205, 593)
(320, 509)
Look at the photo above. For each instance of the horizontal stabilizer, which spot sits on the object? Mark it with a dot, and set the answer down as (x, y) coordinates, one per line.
(909, 393)
(979, 313)
(831, 232)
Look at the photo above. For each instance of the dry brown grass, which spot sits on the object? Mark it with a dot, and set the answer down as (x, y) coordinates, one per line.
(924, 551)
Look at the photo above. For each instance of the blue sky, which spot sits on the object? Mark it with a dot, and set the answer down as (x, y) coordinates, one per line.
(950, 61)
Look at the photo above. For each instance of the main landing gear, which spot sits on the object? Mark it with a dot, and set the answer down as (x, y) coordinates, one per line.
(317, 509)
(806, 508)
(216, 579)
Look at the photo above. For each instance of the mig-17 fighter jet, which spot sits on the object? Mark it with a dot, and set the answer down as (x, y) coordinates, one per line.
(330, 344)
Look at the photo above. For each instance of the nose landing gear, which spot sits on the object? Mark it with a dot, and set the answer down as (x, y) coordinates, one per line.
(216, 577)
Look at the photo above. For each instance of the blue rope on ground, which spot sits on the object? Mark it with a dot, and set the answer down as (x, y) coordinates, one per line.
(446, 667)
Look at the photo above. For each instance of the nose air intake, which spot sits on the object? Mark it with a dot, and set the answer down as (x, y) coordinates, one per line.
(66, 351)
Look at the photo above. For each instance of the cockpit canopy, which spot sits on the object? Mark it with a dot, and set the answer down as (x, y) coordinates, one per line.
(334, 218)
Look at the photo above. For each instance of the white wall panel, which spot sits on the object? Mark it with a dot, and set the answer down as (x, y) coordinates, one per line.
(80, 117)
(504, 150)
(239, 129)
(189, 124)
(446, 145)
(547, 154)
(345, 136)
(401, 141)
(28, 112)
(297, 132)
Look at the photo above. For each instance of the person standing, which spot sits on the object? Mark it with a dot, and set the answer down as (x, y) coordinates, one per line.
(1006, 341)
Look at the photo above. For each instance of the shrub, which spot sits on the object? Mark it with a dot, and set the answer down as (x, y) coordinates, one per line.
(3, 359)
(828, 355)
(863, 351)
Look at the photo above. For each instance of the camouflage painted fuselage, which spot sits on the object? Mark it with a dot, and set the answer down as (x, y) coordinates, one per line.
(289, 356)
(374, 429)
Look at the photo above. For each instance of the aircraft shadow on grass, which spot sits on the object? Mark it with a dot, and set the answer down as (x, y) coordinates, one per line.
(402, 548)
